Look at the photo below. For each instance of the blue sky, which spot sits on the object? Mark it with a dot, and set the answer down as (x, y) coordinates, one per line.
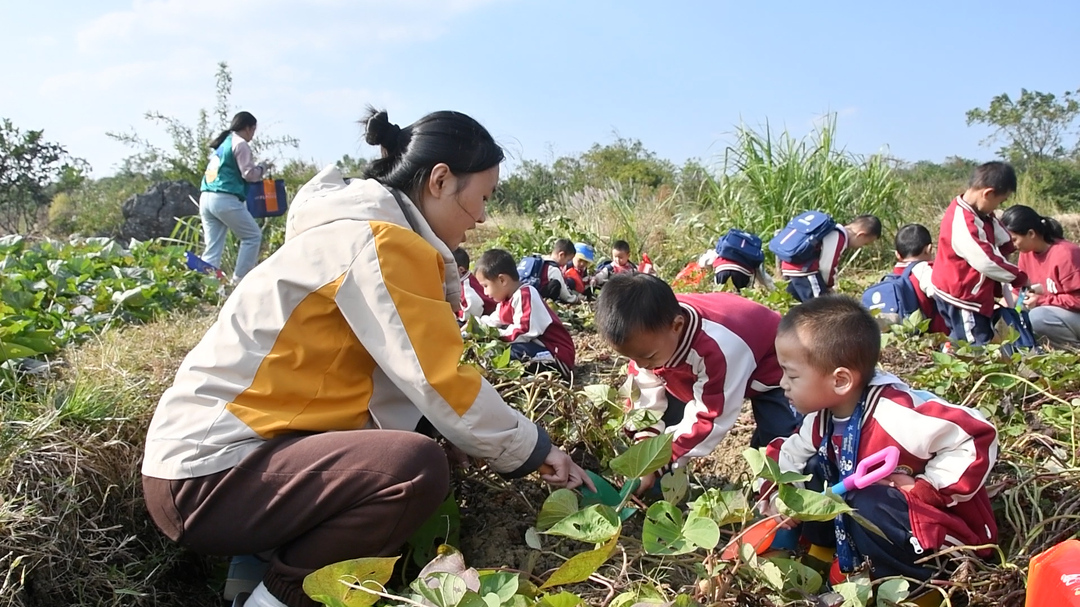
(547, 78)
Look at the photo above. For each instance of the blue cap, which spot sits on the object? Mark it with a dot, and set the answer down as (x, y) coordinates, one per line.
(584, 251)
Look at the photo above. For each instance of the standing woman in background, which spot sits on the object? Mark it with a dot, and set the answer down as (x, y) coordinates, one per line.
(223, 203)
(1053, 266)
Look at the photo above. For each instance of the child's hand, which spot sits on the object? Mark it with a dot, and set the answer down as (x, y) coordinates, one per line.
(767, 508)
(899, 480)
(647, 483)
(1037, 289)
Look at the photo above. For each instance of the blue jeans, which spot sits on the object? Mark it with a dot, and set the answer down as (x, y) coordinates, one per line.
(223, 212)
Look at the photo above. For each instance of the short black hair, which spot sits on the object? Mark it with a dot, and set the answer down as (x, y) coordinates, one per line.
(912, 239)
(837, 331)
(630, 303)
(461, 257)
(495, 262)
(996, 175)
(621, 246)
(868, 223)
(564, 245)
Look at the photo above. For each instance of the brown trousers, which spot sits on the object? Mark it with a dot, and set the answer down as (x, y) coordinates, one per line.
(313, 499)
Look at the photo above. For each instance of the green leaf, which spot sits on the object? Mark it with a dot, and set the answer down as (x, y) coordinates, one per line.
(797, 575)
(810, 505)
(665, 532)
(502, 584)
(580, 566)
(593, 524)
(132, 298)
(723, 507)
(328, 585)
(756, 459)
(559, 505)
(443, 589)
(443, 527)
(895, 590)
(600, 394)
(563, 599)
(856, 591)
(644, 457)
(450, 560)
(771, 575)
(532, 539)
(763, 466)
(675, 486)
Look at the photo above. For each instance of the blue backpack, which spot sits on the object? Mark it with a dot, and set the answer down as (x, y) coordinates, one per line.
(800, 241)
(895, 294)
(741, 247)
(532, 271)
(1017, 319)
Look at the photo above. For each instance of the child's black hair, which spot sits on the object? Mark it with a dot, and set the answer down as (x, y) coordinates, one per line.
(1019, 219)
(495, 262)
(622, 246)
(836, 331)
(630, 303)
(869, 224)
(998, 176)
(912, 240)
(564, 245)
(461, 258)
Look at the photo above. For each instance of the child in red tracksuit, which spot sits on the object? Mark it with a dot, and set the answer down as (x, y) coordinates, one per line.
(936, 497)
(620, 263)
(694, 359)
(535, 333)
(816, 278)
(915, 247)
(970, 266)
(474, 302)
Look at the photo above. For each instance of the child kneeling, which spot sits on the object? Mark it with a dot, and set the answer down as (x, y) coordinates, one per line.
(535, 333)
(828, 349)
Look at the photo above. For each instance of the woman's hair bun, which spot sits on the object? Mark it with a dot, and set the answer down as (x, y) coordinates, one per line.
(380, 131)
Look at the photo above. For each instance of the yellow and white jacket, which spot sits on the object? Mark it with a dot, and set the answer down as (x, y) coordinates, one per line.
(349, 325)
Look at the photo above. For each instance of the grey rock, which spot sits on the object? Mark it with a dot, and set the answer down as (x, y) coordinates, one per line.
(153, 213)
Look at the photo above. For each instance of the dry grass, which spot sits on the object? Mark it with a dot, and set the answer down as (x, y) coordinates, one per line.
(73, 527)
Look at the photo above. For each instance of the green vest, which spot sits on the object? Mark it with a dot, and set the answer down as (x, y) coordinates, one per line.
(222, 173)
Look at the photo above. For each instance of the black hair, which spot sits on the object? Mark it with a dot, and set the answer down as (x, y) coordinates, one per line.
(410, 153)
(1019, 219)
(240, 121)
(912, 240)
(836, 331)
(868, 223)
(495, 262)
(630, 303)
(998, 176)
(461, 257)
(621, 245)
(564, 245)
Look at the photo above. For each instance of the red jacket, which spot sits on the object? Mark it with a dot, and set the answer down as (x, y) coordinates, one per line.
(727, 353)
(525, 317)
(947, 448)
(921, 279)
(574, 279)
(971, 260)
(832, 246)
(474, 301)
(1058, 270)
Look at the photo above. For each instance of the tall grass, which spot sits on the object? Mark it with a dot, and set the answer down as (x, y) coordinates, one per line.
(768, 178)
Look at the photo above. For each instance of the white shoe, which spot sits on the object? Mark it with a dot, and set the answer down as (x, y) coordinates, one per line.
(262, 598)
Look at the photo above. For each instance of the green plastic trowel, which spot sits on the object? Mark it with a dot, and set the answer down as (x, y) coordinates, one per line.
(608, 495)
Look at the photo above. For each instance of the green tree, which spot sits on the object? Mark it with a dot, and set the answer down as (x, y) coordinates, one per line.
(187, 155)
(352, 167)
(529, 186)
(625, 161)
(1034, 127)
(32, 171)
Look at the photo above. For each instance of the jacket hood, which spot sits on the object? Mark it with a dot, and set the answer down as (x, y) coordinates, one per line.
(330, 197)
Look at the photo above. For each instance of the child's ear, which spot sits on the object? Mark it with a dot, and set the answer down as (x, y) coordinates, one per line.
(845, 381)
(899, 257)
(929, 250)
(678, 324)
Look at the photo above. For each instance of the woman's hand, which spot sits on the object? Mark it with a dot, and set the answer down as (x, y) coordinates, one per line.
(561, 471)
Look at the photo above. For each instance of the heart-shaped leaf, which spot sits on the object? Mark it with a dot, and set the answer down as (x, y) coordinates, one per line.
(856, 591)
(798, 576)
(644, 457)
(329, 585)
(893, 591)
(675, 486)
(666, 533)
(580, 566)
(723, 507)
(562, 599)
(442, 589)
(810, 505)
(559, 505)
(594, 524)
(502, 584)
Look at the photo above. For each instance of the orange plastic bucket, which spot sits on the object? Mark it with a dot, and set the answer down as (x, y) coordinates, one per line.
(1054, 577)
